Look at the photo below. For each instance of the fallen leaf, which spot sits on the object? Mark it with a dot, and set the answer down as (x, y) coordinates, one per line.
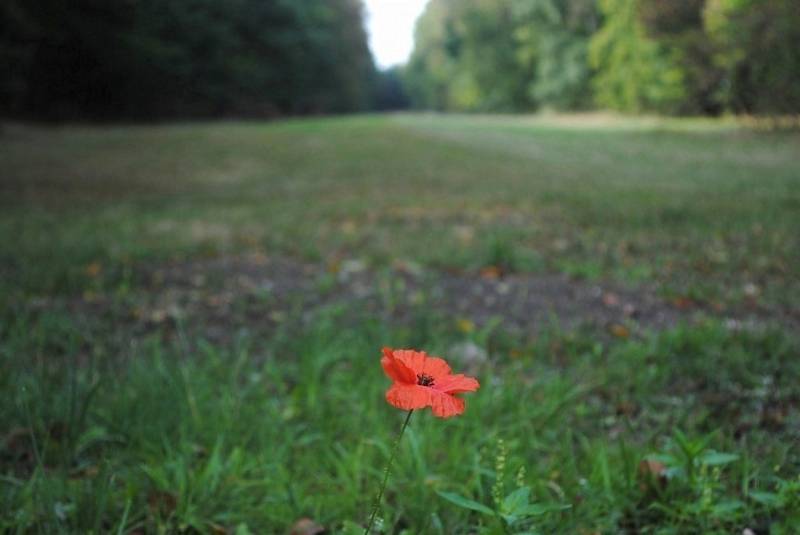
(620, 331)
(610, 299)
(652, 471)
(306, 526)
(334, 266)
(627, 408)
(93, 269)
(86, 472)
(17, 445)
(407, 267)
(162, 503)
(683, 302)
(491, 272)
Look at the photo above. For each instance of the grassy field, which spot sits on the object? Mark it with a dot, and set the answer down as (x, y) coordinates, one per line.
(192, 318)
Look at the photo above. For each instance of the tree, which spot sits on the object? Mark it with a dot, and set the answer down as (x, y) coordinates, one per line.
(677, 26)
(465, 58)
(758, 50)
(634, 72)
(161, 58)
(553, 36)
(390, 93)
(433, 61)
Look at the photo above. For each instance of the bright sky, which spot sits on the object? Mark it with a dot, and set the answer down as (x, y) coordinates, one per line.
(390, 24)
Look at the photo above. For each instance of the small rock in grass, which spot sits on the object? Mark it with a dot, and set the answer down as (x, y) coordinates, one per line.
(351, 267)
(468, 354)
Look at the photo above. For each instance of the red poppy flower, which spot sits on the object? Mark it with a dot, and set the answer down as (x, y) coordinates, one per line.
(422, 381)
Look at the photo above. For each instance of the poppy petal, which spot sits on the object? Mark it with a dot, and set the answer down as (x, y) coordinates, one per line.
(414, 360)
(395, 369)
(421, 363)
(444, 405)
(436, 367)
(408, 397)
(456, 384)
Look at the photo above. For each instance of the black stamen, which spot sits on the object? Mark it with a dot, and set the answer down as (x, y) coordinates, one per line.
(424, 379)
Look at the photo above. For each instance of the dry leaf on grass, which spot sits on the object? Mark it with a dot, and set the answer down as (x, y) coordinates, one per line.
(651, 473)
(620, 331)
(306, 526)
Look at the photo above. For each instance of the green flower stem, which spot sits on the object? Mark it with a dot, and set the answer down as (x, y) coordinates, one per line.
(395, 446)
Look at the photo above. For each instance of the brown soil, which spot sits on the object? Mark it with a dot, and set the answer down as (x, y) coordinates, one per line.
(224, 295)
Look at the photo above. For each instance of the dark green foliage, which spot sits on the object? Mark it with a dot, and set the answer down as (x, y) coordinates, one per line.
(678, 26)
(155, 58)
(390, 93)
(67, 55)
(759, 53)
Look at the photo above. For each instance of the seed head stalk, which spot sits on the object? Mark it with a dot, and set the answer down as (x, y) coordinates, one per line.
(378, 499)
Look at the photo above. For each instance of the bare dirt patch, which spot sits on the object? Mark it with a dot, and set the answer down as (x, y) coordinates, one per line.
(219, 297)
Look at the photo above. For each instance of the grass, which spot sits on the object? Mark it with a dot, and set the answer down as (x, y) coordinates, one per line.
(229, 437)
(693, 429)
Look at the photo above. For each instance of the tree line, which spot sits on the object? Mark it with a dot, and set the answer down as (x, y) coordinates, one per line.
(143, 59)
(676, 56)
(65, 59)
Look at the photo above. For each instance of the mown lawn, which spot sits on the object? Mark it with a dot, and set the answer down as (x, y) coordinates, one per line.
(137, 402)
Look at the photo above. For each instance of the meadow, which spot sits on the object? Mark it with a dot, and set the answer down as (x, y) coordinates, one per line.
(191, 319)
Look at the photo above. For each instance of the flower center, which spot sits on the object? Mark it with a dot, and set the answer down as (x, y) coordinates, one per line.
(424, 379)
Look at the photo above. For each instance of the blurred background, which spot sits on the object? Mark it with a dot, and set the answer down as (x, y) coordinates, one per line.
(150, 59)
